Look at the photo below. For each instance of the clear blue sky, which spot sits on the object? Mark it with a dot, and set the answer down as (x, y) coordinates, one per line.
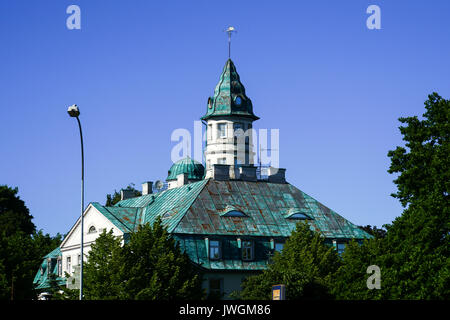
(140, 69)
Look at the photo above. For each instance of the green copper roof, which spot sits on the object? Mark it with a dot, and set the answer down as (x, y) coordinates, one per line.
(198, 209)
(41, 279)
(229, 96)
(194, 169)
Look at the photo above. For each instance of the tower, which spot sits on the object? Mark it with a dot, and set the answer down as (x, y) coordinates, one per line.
(229, 119)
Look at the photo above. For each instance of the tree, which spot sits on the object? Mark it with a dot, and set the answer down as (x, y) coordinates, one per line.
(102, 269)
(14, 215)
(418, 252)
(111, 200)
(150, 266)
(414, 256)
(154, 268)
(21, 247)
(374, 231)
(306, 266)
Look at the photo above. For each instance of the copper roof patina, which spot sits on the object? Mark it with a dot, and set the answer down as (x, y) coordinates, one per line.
(195, 211)
(229, 96)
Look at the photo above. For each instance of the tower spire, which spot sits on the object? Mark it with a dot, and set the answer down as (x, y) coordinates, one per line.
(230, 30)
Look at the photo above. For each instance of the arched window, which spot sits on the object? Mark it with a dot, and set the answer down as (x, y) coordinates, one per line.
(92, 229)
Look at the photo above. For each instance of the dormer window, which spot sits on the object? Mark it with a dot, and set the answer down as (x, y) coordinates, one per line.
(297, 214)
(234, 213)
(231, 211)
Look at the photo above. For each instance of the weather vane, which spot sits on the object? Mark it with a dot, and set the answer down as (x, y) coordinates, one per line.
(230, 30)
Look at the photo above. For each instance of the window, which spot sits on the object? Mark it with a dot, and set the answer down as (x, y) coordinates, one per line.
(49, 266)
(299, 216)
(79, 259)
(238, 129)
(340, 248)
(69, 265)
(222, 129)
(92, 229)
(234, 213)
(59, 267)
(247, 250)
(214, 249)
(215, 288)
(209, 130)
(279, 246)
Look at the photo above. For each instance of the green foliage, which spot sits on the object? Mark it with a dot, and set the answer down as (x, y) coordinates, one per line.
(14, 215)
(306, 266)
(374, 231)
(414, 256)
(21, 247)
(150, 266)
(101, 271)
(111, 200)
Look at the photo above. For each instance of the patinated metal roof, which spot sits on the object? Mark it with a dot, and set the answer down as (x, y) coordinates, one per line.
(195, 211)
(198, 208)
(229, 96)
(194, 169)
(41, 280)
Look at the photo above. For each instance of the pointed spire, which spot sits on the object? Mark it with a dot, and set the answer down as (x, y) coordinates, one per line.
(229, 96)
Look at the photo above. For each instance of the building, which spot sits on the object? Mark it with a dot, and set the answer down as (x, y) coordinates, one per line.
(228, 218)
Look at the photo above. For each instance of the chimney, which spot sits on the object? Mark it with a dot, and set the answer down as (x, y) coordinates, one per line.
(221, 172)
(277, 175)
(247, 173)
(126, 194)
(182, 179)
(147, 187)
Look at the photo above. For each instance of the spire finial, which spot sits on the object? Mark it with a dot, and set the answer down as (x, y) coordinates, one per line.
(230, 30)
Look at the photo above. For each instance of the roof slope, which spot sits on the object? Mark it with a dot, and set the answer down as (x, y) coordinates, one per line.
(265, 206)
(197, 208)
(41, 279)
(229, 96)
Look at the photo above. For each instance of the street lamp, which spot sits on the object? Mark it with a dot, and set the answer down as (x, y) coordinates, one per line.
(74, 112)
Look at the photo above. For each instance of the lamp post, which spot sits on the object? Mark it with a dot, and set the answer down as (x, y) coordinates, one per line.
(74, 112)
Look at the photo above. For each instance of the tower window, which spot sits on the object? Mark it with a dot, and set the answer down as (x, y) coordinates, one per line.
(222, 129)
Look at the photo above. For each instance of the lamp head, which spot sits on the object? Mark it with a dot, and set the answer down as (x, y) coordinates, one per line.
(73, 111)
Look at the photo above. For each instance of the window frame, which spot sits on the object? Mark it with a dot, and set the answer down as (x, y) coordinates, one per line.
(245, 249)
(275, 246)
(218, 247)
(222, 134)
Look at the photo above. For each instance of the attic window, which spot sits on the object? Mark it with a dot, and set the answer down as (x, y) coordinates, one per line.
(92, 230)
(231, 211)
(234, 213)
(297, 215)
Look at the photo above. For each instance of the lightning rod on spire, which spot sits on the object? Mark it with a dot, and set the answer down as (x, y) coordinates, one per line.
(230, 30)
